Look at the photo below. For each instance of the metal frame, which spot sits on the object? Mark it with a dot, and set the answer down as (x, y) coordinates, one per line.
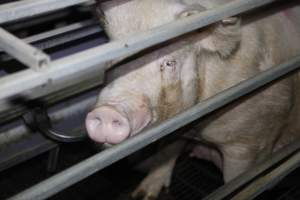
(95, 163)
(60, 36)
(270, 179)
(244, 179)
(19, 137)
(25, 53)
(69, 67)
(66, 68)
(29, 8)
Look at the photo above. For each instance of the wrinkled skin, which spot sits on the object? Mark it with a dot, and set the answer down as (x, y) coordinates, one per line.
(194, 67)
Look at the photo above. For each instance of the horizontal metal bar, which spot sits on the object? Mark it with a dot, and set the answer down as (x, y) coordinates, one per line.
(35, 21)
(25, 53)
(62, 30)
(95, 163)
(16, 137)
(28, 8)
(263, 183)
(255, 171)
(67, 37)
(30, 146)
(75, 64)
(60, 36)
(10, 135)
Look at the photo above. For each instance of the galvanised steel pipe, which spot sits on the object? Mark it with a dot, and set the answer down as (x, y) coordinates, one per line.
(97, 162)
(28, 8)
(25, 53)
(65, 111)
(270, 179)
(66, 68)
(59, 36)
(255, 171)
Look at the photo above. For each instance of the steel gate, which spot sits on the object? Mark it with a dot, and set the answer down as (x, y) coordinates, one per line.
(45, 75)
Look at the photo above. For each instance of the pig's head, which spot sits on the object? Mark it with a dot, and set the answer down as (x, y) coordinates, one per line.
(162, 82)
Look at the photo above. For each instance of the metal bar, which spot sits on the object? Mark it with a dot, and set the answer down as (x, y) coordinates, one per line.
(249, 175)
(14, 137)
(60, 36)
(35, 21)
(66, 67)
(62, 30)
(67, 37)
(29, 147)
(25, 53)
(95, 163)
(28, 8)
(263, 183)
(53, 159)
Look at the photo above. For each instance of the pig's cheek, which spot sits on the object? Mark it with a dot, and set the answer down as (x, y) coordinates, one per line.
(140, 120)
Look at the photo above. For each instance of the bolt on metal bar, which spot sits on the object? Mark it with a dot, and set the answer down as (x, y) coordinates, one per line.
(28, 8)
(249, 175)
(78, 63)
(97, 162)
(25, 53)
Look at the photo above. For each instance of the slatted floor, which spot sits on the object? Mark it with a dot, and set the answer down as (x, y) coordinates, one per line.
(192, 179)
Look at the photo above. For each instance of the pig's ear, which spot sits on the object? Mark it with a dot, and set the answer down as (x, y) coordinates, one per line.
(224, 37)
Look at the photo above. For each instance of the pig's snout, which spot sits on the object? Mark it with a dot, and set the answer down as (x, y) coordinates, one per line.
(107, 125)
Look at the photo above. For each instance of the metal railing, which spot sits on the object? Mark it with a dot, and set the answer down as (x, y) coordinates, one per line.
(65, 68)
(25, 53)
(21, 9)
(72, 66)
(95, 163)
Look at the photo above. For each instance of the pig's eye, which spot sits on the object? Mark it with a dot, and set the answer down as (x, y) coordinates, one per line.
(168, 64)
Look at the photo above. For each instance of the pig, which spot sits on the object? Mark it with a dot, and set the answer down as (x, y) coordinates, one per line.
(184, 71)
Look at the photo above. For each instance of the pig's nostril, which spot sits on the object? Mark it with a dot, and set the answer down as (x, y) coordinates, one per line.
(93, 124)
(105, 124)
(116, 123)
(98, 120)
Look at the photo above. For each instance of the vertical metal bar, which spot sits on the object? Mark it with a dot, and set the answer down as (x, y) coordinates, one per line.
(53, 159)
(95, 163)
(25, 53)
(28, 8)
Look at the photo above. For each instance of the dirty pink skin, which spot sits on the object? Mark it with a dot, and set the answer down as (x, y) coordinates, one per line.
(194, 67)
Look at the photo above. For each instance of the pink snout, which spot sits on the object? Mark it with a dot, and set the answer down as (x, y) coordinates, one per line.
(107, 125)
